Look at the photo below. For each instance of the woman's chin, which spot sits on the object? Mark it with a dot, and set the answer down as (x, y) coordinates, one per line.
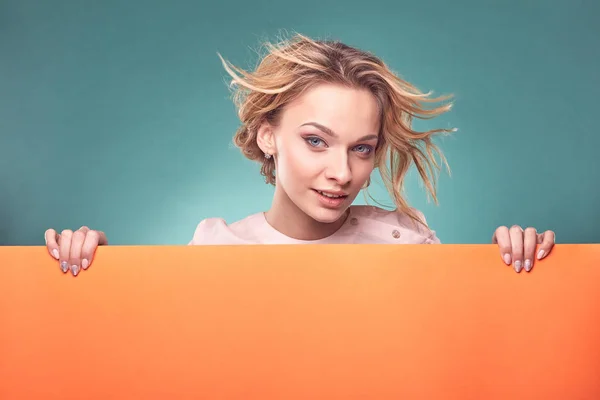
(328, 215)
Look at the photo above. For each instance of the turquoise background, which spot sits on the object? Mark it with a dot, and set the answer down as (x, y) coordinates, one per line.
(116, 114)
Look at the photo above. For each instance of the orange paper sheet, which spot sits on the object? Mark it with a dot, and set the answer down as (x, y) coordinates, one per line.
(300, 322)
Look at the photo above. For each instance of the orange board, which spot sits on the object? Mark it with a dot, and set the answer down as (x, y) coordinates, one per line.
(300, 322)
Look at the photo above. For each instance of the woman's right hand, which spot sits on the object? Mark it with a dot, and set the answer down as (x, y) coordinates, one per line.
(74, 250)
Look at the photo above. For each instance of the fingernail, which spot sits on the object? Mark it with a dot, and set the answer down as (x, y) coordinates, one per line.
(507, 259)
(55, 253)
(518, 265)
(74, 270)
(540, 254)
(64, 266)
(527, 265)
(84, 263)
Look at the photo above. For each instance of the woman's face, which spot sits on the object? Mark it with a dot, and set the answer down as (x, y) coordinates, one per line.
(325, 149)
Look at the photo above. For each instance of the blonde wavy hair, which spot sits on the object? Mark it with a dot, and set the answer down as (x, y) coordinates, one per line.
(292, 66)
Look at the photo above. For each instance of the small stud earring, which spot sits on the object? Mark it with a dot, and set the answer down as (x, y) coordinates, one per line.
(267, 156)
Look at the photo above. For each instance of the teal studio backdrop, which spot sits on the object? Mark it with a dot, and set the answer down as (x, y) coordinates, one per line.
(117, 115)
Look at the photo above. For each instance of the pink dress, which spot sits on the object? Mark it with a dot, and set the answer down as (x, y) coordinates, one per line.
(364, 225)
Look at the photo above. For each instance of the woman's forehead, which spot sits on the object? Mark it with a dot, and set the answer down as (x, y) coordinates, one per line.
(336, 107)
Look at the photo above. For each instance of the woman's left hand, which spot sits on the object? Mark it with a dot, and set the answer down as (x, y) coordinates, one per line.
(518, 246)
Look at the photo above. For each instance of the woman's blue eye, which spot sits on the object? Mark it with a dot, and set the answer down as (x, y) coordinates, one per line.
(361, 148)
(314, 141)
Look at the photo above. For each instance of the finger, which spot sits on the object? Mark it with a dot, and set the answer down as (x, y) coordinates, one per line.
(51, 237)
(502, 238)
(75, 253)
(84, 229)
(530, 242)
(92, 240)
(548, 240)
(516, 240)
(64, 250)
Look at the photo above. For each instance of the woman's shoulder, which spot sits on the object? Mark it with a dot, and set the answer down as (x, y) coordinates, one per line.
(381, 214)
(400, 223)
(216, 231)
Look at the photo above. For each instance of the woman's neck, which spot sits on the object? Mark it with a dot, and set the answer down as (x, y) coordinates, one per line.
(288, 219)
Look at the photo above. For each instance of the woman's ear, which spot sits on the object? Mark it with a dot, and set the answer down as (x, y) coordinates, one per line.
(266, 139)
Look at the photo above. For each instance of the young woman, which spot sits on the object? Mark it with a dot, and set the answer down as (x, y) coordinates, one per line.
(320, 116)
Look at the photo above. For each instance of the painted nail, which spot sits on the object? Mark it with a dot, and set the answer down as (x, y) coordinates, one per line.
(518, 265)
(74, 270)
(55, 254)
(507, 259)
(540, 254)
(527, 265)
(84, 263)
(64, 266)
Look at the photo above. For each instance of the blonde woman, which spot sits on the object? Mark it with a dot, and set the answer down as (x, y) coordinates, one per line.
(319, 117)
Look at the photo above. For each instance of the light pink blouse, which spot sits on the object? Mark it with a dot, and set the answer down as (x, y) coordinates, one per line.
(364, 225)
